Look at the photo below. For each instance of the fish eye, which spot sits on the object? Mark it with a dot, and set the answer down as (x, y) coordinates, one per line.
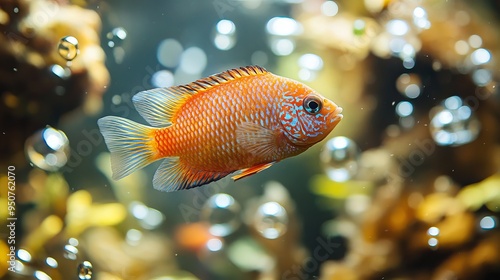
(312, 104)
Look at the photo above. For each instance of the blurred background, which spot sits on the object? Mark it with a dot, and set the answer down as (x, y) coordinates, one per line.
(406, 187)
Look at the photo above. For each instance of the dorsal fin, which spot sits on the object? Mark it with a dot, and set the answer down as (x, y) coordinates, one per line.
(158, 105)
(218, 79)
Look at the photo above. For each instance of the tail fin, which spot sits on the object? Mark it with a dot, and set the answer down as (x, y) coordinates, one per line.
(130, 144)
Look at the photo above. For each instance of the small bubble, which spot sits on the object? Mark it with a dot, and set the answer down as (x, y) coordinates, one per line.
(224, 35)
(162, 78)
(359, 27)
(60, 71)
(310, 64)
(51, 262)
(73, 241)
(329, 8)
(84, 270)
(70, 252)
(480, 56)
(475, 41)
(461, 47)
(16, 10)
(169, 52)
(116, 37)
(24, 255)
(259, 58)
(404, 109)
(214, 244)
(133, 237)
(397, 27)
(488, 222)
(193, 60)
(433, 243)
(282, 46)
(222, 212)
(48, 149)
(453, 124)
(149, 218)
(340, 158)
(420, 19)
(482, 77)
(409, 85)
(433, 231)
(283, 26)
(40, 275)
(68, 48)
(271, 220)
(116, 99)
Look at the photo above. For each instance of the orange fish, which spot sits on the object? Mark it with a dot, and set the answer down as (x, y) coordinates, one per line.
(243, 119)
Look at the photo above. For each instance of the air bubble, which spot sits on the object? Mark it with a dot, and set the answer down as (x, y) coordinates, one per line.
(453, 124)
(340, 158)
(271, 220)
(222, 212)
(224, 35)
(70, 252)
(84, 270)
(48, 149)
(116, 37)
(68, 48)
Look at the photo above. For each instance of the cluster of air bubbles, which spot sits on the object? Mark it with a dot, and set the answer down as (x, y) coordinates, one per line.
(281, 34)
(399, 38)
(188, 63)
(433, 233)
(453, 123)
(71, 249)
(404, 110)
(224, 35)
(271, 220)
(221, 211)
(48, 149)
(476, 59)
(310, 65)
(116, 38)
(420, 18)
(84, 270)
(149, 218)
(68, 49)
(409, 85)
(340, 158)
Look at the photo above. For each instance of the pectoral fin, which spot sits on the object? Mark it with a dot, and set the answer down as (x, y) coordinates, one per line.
(256, 139)
(252, 170)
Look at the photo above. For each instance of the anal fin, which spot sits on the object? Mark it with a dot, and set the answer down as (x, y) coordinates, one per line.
(252, 170)
(174, 175)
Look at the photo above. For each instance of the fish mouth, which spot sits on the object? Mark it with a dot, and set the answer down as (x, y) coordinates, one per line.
(337, 115)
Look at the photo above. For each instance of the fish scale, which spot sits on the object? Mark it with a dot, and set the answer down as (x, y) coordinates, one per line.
(243, 119)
